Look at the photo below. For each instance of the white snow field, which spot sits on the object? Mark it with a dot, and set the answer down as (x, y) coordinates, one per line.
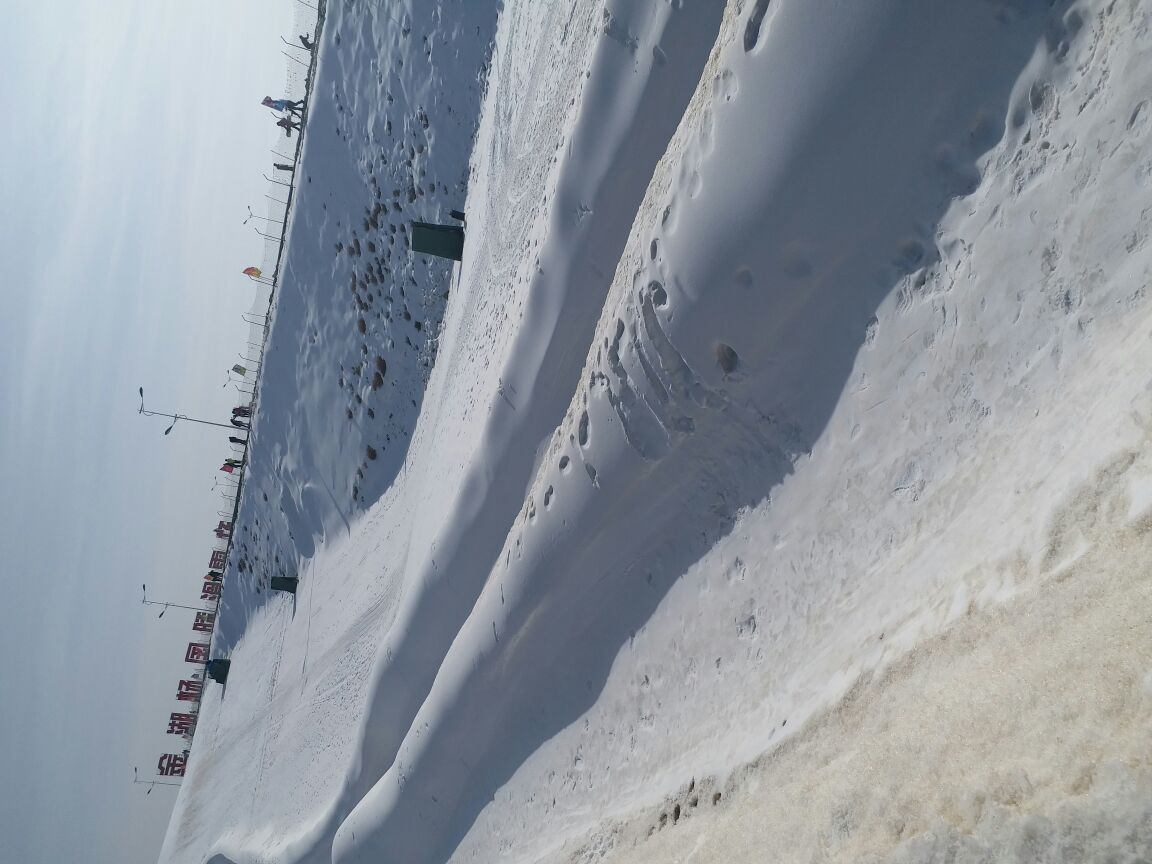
(770, 482)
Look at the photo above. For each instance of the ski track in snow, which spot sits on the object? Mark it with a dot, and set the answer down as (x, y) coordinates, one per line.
(745, 431)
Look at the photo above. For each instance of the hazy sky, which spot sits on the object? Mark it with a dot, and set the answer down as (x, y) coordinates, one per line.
(132, 141)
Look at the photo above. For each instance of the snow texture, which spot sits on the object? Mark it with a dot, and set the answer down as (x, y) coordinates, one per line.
(771, 478)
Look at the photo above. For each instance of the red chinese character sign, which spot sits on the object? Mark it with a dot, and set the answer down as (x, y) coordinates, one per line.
(216, 562)
(189, 691)
(181, 724)
(204, 622)
(171, 765)
(211, 591)
(197, 652)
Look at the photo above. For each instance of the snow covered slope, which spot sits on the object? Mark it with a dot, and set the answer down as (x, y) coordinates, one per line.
(781, 482)
(393, 113)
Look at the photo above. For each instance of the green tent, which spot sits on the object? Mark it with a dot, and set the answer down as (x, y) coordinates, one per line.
(284, 583)
(445, 241)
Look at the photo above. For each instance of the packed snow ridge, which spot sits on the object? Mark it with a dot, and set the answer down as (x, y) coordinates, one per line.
(770, 481)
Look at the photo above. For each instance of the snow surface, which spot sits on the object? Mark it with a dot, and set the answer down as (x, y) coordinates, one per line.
(770, 478)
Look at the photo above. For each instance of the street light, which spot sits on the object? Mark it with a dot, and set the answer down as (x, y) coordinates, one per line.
(252, 215)
(148, 602)
(176, 417)
(136, 779)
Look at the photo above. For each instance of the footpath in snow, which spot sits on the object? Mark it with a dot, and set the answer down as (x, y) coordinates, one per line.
(771, 477)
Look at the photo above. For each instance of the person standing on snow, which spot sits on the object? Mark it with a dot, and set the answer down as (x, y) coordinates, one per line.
(282, 105)
(287, 125)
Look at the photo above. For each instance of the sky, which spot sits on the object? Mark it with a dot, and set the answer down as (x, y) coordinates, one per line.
(132, 144)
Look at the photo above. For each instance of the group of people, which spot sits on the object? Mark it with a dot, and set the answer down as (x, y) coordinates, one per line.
(289, 108)
(240, 416)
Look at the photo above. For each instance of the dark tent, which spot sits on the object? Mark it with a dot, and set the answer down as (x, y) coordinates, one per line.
(218, 669)
(445, 241)
(284, 583)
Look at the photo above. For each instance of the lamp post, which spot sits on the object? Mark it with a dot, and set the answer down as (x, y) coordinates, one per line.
(148, 602)
(149, 783)
(252, 215)
(176, 417)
